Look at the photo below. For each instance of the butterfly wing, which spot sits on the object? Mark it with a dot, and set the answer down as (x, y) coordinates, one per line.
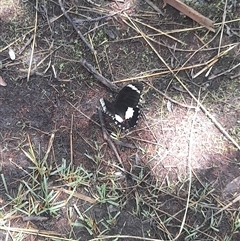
(107, 107)
(127, 97)
(124, 110)
(130, 122)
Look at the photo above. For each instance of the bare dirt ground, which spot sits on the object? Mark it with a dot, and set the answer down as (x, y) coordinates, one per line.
(179, 175)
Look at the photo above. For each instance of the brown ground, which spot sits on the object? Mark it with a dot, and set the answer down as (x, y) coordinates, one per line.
(169, 142)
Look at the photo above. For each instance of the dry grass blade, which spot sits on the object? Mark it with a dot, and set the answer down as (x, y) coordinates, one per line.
(222, 25)
(71, 141)
(15, 41)
(224, 72)
(146, 76)
(126, 237)
(37, 232)
(189, 173)
(33, 42)
(214, 60)
(172, 100)
(159, 32)
(50, 143)
(83, 114)
(75, 194)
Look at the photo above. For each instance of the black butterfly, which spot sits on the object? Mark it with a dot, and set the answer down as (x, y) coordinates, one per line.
(124, 110)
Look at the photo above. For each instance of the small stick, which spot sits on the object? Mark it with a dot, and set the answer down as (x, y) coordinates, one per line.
(25, 45)
(74, 26)
(34, 218)
(154, 7)
(211, 62)
(75, 194)
(93, 3)
(170, 99)
(83, 113)
(80, 21)
(223, 73)
(235, 76)
(33, 44)
(71, 141)
(106, 137)
(98, 76)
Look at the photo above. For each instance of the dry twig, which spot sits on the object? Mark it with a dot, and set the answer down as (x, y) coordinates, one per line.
(98, 76)
(224, 72)
(33, 43)
(75, 27)
(106, 137)
(170, 99)
(83, 113)
(157, 9)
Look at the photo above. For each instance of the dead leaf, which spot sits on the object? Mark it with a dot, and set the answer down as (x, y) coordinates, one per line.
(11, 54)
(2, 82)
(169, 106)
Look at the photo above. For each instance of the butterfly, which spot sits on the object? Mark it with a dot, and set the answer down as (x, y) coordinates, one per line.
(124, 110)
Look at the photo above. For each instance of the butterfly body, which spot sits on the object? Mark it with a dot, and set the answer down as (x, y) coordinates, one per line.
(124, 110)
